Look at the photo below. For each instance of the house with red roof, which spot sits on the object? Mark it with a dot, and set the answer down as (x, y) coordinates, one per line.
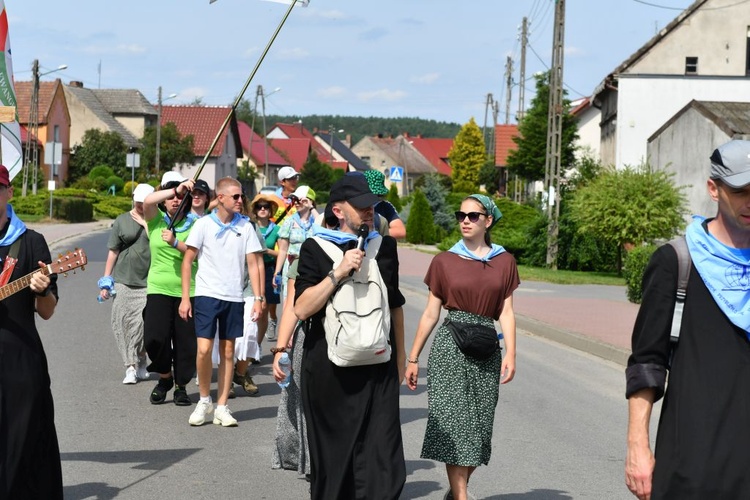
(203, 123)
(504, 144)
(298, 131)
(434, 150)
(52, 123)
(260, 155)
(384, 153)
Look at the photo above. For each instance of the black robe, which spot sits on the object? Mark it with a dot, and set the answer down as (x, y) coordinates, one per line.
(352, 413)
(29, 454)
(703, 438)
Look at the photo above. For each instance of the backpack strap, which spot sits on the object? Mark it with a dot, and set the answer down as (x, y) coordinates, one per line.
(684, 263)
(15, 247)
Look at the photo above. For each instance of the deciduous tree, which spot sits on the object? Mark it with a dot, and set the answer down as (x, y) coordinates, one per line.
(98, 148)
(174, 149)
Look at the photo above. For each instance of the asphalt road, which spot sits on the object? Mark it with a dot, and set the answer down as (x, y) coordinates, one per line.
(559, 427)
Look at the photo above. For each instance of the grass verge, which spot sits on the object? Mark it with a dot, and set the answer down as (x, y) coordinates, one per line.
(529, 273)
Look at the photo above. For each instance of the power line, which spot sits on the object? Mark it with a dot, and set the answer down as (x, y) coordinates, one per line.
(681, 8)
(547, 68)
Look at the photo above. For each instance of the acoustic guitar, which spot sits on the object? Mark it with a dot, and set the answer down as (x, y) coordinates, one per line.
(64, 264)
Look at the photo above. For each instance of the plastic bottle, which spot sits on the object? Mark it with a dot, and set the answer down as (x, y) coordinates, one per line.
(286, 366)
(277, 282)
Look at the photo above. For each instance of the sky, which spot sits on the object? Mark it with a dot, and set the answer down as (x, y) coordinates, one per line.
(431, 59)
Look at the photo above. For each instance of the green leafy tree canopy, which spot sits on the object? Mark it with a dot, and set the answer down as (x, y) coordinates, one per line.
(528, 160)
(174, 149)
(467, 157)
(630, 206)
(98, 148)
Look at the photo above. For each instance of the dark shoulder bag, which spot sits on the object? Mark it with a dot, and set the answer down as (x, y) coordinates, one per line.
(477, 341)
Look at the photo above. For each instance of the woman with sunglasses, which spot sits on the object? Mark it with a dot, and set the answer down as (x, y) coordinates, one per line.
(169, 340)
(474, 281)
(293, 232)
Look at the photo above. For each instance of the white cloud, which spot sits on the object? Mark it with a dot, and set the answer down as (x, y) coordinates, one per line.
(191, 93)
(574, 51)
(331, 92)
(381, 95)
(293, 54)
(123, 48)
(251, 52)
(426, 79)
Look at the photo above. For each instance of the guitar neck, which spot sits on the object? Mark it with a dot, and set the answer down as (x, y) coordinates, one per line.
(21, 283)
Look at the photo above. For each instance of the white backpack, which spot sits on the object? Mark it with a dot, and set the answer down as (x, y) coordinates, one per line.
(358, 320)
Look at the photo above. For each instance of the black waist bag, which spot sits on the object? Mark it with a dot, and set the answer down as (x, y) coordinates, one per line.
(478, 341)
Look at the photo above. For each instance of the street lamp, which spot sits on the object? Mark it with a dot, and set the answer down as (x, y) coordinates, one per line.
(332, 131)
(33, 128)
(157, 153)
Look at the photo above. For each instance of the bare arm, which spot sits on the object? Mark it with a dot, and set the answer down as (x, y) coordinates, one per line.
(427, 323)
(255, 282)
(150, 204)
(397, 229)
(109, 266)
(508, 325)
(285, 330)
(639, 461)
(283, 250)
(186, 309)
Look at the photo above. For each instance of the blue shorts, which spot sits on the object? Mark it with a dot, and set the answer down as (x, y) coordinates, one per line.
(207, 311)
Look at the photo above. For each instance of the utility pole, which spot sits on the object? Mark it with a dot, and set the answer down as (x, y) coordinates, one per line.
(32, 152)
(508, 87)
(522, 75)
(262, 96)
(157, 153)
(487, 106)
(554, 134)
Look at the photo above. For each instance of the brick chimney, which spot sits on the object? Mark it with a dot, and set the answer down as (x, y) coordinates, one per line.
(77, 84)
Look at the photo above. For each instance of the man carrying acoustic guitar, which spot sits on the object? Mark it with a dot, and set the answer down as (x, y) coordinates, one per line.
(29, 454)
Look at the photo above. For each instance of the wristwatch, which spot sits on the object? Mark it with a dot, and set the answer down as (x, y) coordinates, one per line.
(259, 298)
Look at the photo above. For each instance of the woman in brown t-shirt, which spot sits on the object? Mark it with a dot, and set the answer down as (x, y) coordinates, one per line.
(474, 281)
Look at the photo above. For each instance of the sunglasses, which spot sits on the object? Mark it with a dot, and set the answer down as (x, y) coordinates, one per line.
(262, 207)
(179, 197)
(236, 197)
(473, 216)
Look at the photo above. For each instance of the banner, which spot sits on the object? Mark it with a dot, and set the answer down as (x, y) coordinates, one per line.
(11, 132)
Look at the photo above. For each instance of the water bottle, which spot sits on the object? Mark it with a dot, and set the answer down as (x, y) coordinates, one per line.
(286, 366)
(277, 282)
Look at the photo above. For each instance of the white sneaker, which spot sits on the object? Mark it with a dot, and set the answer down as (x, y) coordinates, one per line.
(202, 409)
(141, 371)
(130, 376)
(223, 416)
(271, 331)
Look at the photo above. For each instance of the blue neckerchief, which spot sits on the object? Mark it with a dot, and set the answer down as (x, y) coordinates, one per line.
(236, 218)
(305, 226)
(724, 270)
(460, 249)
(340, 237)
(190, 218)
(15, 229)
(268, 229)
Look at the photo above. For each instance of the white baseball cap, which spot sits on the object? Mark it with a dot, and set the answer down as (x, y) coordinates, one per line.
(141, 191)
(171, 176)
(287, 173)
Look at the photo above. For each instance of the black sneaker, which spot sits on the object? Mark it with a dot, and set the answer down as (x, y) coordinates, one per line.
(232, 394)
(180, 396)
(159, 394)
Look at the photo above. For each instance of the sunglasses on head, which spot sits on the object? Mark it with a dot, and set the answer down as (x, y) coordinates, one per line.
(473, 216)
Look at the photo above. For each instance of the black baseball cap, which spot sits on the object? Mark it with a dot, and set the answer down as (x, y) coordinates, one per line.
(355, 190)
(202, 185)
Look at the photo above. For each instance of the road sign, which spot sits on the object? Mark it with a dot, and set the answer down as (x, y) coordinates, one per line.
(53, 153)
(397, 174)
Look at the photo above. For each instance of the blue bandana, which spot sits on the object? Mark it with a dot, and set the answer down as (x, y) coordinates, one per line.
(15, 229)
(304, 225)
(190, 218)
(724, 270)
(460, 249)
(340, 237)
(226, 227)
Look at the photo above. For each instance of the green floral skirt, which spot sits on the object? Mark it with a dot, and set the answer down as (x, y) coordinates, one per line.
(462, 394)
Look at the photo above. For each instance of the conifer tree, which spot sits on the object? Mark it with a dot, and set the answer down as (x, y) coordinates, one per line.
(420, 227)
(394, 198)
(467, 157)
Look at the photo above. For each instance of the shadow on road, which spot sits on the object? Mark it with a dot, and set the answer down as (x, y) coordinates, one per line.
(543, 494)
(154, 460)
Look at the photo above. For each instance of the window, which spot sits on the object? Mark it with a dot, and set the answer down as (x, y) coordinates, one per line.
(366, 159)
(691, 65)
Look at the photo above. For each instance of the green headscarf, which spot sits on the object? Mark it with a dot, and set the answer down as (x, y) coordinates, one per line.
(489, 207)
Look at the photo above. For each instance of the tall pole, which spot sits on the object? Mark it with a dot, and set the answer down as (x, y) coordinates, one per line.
(508, 87)
(487, 106)
(554, 134)
(32, 153)
(522, 75)
(157, 154)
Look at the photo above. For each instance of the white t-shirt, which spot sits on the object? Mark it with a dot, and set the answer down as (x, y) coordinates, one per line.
(222, 259)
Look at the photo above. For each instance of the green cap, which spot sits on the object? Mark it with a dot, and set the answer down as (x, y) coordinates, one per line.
(376, 182)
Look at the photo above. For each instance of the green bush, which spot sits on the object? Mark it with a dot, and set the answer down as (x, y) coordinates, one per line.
(112, 206)
(635, 265)
(72, 209)
(420, 227)
(37, 205)
(117, 182)
(102, 171)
